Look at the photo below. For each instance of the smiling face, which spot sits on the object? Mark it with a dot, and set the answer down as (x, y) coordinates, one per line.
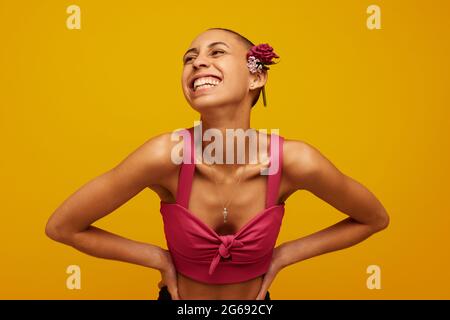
(215, 71)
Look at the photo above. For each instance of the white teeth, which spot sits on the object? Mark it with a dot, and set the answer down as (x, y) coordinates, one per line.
(205, 86)
(206, 82)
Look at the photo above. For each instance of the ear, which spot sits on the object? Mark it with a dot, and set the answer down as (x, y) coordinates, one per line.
(258, 80)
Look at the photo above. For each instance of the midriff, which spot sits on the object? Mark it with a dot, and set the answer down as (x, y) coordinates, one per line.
(190, 289)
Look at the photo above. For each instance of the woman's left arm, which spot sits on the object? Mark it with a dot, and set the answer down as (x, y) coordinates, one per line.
(306, 168)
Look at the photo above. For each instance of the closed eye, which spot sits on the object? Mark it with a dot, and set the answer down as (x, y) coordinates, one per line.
(214, 53)
(187, 59)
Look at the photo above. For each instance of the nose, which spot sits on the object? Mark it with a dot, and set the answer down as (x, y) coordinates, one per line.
(200, 61)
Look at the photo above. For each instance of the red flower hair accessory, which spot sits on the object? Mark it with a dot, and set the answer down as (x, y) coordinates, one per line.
(258, 57)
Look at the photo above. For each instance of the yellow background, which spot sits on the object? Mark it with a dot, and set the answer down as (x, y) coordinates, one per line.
(375, 102)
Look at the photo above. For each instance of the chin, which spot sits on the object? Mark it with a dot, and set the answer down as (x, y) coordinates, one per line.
(206, 102)
(205, 105)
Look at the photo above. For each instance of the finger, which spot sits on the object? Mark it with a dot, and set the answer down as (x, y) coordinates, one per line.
(267, 281)
(176, 295)
(172, 287)
(173, 290)
(258, 297)
(262, 291)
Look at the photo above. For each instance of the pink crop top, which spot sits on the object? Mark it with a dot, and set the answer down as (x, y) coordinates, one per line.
(199, 253)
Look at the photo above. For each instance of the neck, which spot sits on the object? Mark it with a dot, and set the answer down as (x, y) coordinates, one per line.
(222, 118)
(231, 116)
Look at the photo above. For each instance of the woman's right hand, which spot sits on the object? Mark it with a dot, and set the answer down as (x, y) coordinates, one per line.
(169, 275)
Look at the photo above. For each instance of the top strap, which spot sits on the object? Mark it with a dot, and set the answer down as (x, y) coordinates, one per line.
(187, 170)
(275, 169)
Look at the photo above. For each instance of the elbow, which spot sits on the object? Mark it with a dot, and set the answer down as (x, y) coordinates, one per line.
(52, 231)
(382, 222)
(55, 231)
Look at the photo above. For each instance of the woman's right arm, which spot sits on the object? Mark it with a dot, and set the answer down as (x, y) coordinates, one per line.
(70, 223)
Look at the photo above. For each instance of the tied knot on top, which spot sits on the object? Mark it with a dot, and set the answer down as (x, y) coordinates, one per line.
(224, 251)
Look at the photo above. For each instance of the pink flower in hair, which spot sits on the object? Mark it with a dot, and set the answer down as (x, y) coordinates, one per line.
(259, 56)
(254, 64)
(263, 52)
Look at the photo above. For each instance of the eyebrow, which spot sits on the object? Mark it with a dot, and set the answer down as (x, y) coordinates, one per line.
(212, 44)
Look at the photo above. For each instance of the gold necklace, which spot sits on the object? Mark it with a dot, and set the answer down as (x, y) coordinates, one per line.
(225, 205)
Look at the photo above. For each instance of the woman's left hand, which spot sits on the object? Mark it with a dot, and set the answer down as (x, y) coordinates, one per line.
(275, 266)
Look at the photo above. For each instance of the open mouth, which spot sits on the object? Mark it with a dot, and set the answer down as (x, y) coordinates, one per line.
(204, 83)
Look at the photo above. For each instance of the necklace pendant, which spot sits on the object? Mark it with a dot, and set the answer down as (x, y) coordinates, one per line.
(225, 214)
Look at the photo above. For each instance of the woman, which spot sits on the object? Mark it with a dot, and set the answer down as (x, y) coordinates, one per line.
(215, 206)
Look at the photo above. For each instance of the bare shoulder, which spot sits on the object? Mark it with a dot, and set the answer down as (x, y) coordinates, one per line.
(304, 164)
(300, 157)
(151, 160)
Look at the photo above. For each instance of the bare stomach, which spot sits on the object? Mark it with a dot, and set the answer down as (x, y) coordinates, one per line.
(189, 289)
